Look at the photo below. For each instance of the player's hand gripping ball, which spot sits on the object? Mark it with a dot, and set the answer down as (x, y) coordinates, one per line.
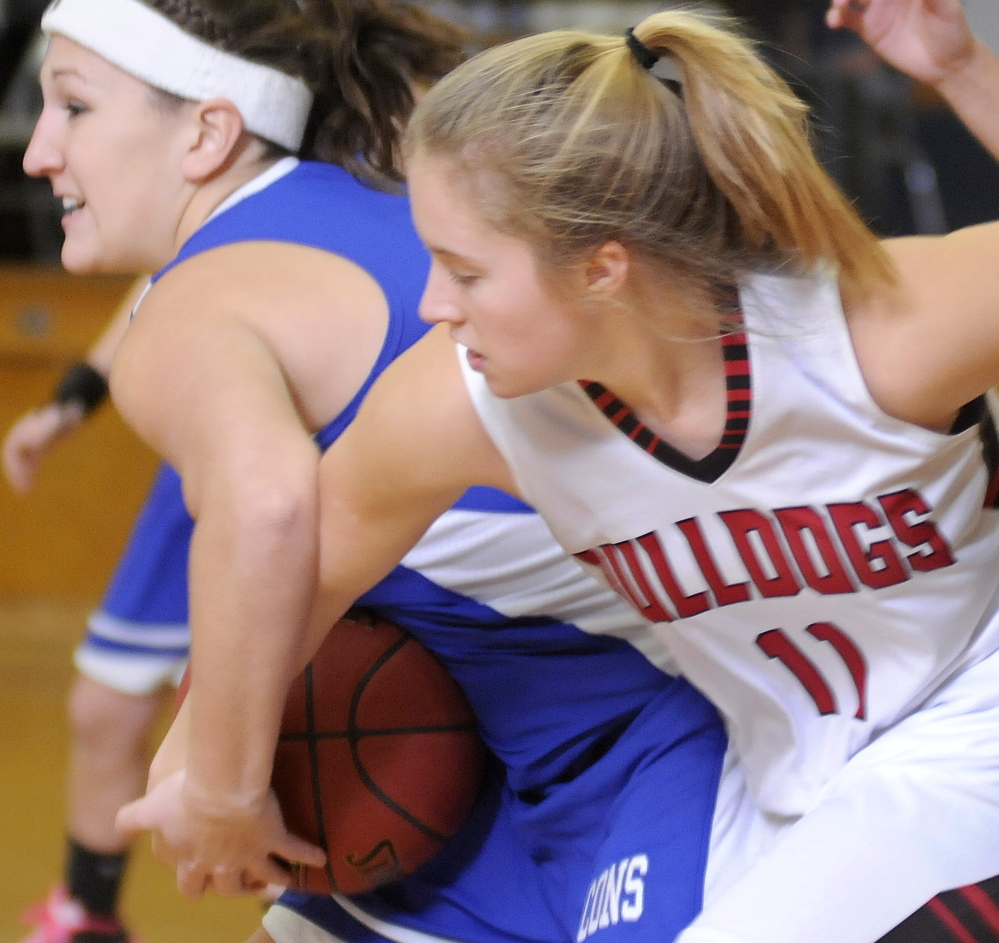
(379, 760)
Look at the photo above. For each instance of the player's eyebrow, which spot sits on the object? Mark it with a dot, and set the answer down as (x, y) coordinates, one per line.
(61, 75)
(67, 72)
(448, 255)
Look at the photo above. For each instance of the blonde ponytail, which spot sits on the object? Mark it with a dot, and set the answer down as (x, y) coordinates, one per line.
(752, 133)
(568, 141)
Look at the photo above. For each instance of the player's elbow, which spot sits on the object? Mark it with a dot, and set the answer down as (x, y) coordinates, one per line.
(274, 509)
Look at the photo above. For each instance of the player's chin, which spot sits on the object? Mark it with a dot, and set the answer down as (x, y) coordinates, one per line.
(77, 262)
(79, 258)
(505, 385)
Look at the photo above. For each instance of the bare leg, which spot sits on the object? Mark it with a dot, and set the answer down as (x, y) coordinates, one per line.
(109, 759)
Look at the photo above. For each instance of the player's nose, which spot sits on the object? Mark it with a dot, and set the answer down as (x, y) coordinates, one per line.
(43, 157)
(437, 305)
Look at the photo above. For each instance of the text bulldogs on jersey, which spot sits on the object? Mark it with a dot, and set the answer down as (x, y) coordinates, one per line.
(617, 894)
(877, 543)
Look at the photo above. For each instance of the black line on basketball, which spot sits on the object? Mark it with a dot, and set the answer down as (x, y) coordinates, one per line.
(353, 727)
(317, 796)
(362, 733)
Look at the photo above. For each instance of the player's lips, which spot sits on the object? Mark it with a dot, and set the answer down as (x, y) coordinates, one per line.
(475, 360)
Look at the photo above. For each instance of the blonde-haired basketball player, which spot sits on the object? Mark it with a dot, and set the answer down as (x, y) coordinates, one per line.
(770, 432)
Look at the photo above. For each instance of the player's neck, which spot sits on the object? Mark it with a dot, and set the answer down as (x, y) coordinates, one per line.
(686, 405)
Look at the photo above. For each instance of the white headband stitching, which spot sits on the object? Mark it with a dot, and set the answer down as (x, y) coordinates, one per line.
(146, 44)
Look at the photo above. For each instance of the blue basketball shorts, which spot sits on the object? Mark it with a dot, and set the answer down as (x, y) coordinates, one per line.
(138, 639)
(616, 854)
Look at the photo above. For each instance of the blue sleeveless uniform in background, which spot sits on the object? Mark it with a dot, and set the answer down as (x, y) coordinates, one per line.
(597, 819)
(138, 639)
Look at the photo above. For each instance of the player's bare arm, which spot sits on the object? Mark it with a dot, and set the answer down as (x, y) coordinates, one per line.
(412, 451)
(34, 435)
(930, 344)
(211, 398)
(930, 41)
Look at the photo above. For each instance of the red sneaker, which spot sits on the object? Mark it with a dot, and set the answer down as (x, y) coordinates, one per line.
(61, 919)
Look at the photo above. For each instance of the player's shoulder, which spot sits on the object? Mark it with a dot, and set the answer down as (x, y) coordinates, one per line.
(420, 413)
(928, 344)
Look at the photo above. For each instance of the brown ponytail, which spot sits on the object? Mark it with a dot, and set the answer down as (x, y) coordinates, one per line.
(362, 59)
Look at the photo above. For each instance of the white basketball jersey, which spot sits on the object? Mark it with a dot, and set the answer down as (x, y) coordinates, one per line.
(818, 576)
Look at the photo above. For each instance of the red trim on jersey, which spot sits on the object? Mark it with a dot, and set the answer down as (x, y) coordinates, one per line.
(738, 380)
(984, 904)
(990, 444)
(947, 917)
(604, 399)
(992, 494)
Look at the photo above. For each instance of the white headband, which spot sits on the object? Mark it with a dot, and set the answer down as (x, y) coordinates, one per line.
(146, 44)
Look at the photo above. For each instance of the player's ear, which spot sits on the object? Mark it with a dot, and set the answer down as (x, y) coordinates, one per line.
(606, 270)
(218, 130)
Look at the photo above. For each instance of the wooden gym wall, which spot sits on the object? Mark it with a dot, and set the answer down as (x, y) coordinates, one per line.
(62, 539)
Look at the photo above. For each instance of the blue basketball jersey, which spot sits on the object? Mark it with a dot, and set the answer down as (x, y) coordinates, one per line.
(550, 659)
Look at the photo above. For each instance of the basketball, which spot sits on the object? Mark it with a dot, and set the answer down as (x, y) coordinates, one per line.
(379, 761)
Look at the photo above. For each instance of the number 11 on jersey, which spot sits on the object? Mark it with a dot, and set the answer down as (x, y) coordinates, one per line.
(775, 643)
